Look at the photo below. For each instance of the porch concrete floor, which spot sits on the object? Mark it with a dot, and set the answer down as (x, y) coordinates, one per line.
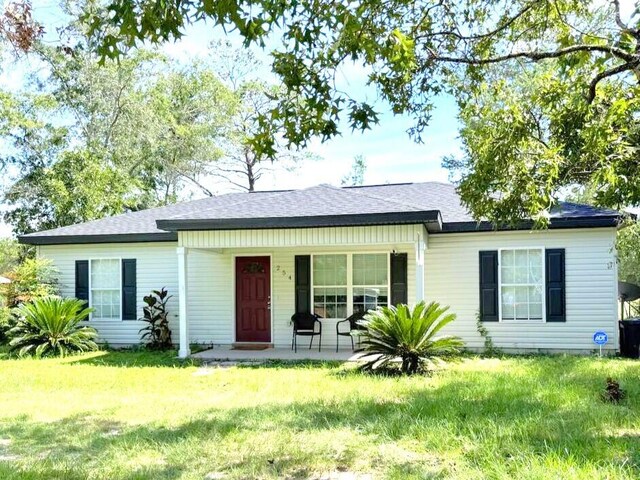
(226, 353)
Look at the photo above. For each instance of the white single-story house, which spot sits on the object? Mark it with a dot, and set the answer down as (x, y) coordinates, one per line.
(239, 265)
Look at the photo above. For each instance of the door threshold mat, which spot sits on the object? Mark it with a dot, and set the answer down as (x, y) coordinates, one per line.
(250, 347)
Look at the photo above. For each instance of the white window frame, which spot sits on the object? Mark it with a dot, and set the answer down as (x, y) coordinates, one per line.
(349, 286)
(345, 286)
(387, 286)
(544, 293)
(91, 316)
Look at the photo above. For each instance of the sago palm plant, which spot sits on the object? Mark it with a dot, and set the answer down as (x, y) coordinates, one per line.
(409, 335)
(49, 327)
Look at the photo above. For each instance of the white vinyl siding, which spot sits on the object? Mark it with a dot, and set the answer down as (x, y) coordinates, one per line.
(156, 265)
(452, 278)
(211, 286)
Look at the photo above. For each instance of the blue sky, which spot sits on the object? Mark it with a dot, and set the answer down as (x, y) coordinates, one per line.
(391, 155)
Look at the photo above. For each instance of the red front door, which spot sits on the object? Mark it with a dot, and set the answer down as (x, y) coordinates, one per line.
(253, 299)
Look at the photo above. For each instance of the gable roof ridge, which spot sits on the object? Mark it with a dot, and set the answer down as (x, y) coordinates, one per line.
(400, 184)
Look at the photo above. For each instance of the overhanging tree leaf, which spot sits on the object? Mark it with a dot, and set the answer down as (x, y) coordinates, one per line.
(411, 51)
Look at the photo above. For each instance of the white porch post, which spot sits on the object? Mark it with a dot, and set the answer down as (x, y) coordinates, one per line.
(420, 247)
(184, 351)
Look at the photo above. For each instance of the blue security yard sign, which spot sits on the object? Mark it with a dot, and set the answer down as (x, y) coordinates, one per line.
(600, 338)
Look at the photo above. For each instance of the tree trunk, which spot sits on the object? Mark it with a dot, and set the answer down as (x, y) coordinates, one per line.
(410, 364)
(251, 176)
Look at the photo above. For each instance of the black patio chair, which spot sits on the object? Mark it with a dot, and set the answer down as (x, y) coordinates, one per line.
(304, 324)
(354, 327)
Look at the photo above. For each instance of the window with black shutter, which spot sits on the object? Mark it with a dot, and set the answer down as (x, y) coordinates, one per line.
(523, 284)
(109, 286)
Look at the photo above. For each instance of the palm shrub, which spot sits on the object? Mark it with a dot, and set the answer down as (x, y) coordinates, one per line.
(157, 334)
(49, 326)
(407, 334)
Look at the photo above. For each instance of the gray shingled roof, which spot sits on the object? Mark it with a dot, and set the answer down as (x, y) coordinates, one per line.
(315, 201)
(320, 205)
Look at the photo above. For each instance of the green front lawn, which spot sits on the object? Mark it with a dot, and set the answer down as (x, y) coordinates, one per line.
(141, 415)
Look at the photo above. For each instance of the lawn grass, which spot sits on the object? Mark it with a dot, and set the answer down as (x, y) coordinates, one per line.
(128, 415)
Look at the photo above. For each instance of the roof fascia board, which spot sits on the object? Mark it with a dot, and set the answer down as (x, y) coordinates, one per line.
(556, 223)
(102, 238)
(392, 218)
(431, 219)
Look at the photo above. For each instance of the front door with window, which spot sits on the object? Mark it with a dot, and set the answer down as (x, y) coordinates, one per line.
(253, 299)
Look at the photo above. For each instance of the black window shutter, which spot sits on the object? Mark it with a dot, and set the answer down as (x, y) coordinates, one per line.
(398, 278)
(555, 288)
(82, 280)
(129, 289)
(303, 283)
(489, 286)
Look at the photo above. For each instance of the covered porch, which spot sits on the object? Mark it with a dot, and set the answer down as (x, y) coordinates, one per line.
(242, 287)
(227, 353)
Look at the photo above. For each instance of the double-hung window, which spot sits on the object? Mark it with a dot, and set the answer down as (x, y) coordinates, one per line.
(349, 283)
(522, 284)
(370, 281)
(330, 285)
(105, 289)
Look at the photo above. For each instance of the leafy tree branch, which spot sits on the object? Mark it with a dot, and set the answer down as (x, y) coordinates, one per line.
(547, 89)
